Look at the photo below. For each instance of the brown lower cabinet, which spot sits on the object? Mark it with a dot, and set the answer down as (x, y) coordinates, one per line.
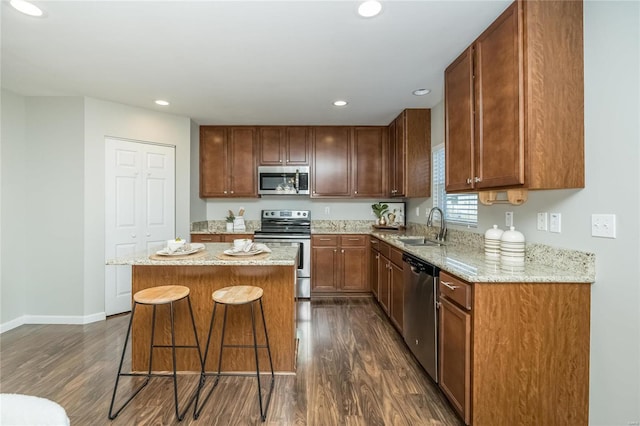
(339, 263)
(387, 268)
(218, 238)
(515, 353)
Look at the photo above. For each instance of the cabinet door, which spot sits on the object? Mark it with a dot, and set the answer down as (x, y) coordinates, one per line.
(399, 159)
(242, 162)
(324, 265)
(455, 356)
(370, 162)
(271, 142)
(499, 124)
(383, 282)
(331, 173)
(396, 302)
(354, 269)
(296, 147)
(214, 179)
(373, 272)
(458, 106)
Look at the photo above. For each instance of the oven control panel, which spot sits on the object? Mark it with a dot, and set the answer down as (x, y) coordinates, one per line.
(286, 214)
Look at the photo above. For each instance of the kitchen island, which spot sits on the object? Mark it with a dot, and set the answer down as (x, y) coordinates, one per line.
(203, 273)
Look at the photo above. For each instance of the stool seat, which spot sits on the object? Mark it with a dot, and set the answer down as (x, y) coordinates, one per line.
(161, 295)
(237, 295)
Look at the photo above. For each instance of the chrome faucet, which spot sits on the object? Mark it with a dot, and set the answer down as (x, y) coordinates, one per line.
(443, 224)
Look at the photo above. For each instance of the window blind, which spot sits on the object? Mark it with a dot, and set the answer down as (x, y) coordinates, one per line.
(460, 209)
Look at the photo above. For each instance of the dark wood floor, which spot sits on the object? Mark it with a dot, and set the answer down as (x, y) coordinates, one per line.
(353, 369)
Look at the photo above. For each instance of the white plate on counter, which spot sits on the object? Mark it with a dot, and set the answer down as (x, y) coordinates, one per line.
(232, 252)
(193, 248)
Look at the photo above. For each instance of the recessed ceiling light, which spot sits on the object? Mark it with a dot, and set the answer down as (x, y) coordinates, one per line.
(26, 7)
(161, 102)
(369, 8)
(421, 92)
(340, 103)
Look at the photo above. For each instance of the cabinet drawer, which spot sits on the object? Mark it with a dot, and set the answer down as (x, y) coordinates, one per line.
(396, 257)
(353, 240)
(455, 289)
(324, 240)
(374, 243)
(384, 249)
(206, 238)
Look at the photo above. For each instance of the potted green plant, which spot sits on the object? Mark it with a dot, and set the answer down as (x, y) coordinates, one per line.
(230, 220)
(379, 209)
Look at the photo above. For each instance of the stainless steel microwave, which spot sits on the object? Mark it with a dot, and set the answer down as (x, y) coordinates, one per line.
(276, 180)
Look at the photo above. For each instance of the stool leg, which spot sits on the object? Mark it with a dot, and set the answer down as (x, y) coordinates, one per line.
(113, 415)
(224, 328)
(266, 337)
(203, 375)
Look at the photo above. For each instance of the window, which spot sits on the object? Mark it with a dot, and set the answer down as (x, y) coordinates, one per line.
(459, 209)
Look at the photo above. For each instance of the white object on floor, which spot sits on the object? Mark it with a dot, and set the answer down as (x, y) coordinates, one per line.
(27, 410)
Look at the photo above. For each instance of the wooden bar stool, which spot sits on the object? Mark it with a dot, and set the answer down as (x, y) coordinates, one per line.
(237, 295)
(155, 296)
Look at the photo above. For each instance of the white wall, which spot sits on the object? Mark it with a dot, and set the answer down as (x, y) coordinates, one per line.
(53, 200)
(338, 210)
(102, 119)
(13, 206)
(198, 205)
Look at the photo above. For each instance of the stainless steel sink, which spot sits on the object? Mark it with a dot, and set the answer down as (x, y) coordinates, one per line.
(421, 242)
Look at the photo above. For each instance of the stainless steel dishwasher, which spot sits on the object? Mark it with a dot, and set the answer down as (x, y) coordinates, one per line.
(420, 314)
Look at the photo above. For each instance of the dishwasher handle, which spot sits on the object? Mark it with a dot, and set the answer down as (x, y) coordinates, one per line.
(419, 266)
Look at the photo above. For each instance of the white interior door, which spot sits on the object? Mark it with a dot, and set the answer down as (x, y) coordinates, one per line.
(140, 210)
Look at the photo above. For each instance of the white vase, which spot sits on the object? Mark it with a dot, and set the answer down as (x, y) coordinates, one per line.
(229, 226)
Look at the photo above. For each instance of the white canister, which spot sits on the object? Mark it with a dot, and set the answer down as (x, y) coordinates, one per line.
(494, 233)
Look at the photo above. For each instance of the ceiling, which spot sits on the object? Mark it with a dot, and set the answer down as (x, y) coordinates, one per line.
(241, 62)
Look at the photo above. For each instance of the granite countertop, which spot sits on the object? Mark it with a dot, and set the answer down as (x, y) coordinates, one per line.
(279, 256)
(470, 263)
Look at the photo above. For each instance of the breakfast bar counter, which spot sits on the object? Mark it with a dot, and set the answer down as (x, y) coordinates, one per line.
(203, 273)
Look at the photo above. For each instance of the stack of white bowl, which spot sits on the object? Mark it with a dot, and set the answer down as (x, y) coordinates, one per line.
(512, 250)
(492, 244)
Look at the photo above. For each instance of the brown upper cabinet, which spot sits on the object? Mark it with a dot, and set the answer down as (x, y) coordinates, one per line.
(514, 102)
(410, 154)
(283, 146)
(227, 161)
(349, 162)
(370, 159)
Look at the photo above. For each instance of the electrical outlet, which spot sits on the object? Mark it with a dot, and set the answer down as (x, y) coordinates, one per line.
(542, 222)
(417, 211)
(555, 222)
(603, 225)
(508, 219)
(327, 210)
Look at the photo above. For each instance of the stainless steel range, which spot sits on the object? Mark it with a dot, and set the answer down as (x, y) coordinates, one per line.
(290, 228)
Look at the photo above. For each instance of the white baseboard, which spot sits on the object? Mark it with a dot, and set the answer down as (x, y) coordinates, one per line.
(52, 319)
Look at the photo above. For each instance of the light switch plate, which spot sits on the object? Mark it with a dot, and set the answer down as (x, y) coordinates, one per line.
(508, 219)
(555, 222)
(603, 225)
(542, 223)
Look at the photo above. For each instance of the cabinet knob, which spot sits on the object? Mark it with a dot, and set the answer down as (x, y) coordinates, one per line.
(477, 179)
(355, 192)
(232, 192)
(469, 181)
(224, 192)
(342, 251)
(148, 235)
(133, 235)
(377, 256)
